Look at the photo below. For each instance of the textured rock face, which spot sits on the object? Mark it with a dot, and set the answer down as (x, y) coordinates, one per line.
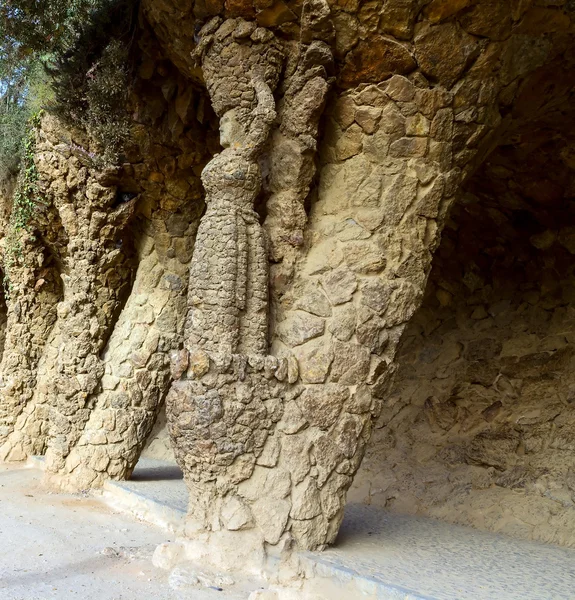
(96, 278)
(31, 313)
(135, 360)
(393, 157)
(348, 131)
(133, 283)
(477, 426)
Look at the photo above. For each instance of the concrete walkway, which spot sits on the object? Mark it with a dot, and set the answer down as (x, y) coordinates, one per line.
(404, 557)
(65, 547)
(387, 556)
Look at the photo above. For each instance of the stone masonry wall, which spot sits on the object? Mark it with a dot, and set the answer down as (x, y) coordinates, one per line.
(347, 130)
(479, 427)
(167, 150)
(34, 289)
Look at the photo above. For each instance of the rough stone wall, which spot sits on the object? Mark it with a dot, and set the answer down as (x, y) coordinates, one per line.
(34, 288)
(394, 155)
(283, 367)
(96, 274)
(159, 445)
(3, 322)
(478, 429)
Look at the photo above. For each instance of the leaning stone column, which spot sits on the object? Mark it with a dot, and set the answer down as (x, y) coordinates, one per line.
(229, 393)
(269, 446)
(98, 273)
(96, 270)
(393, 161)
(137, 369)
(33, 292)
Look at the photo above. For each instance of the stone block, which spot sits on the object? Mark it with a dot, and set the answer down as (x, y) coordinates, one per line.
(339, 285)
(444, 52)
(321, 404)
(305, 498)
(300, 327)
(374, 60)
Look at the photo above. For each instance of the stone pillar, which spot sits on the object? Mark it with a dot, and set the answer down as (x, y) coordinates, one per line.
(34, 289)
(269, 444)
(389, 174)
(96, 273)
(229, 393)
(95, 285)
(219, 416)
(136, 370)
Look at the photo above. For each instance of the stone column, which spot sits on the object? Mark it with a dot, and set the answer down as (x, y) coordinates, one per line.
(229, 393)
(389, 175)
(33, 291)
(96, 282)
(136, 370)
(270, 444)
(96, 273)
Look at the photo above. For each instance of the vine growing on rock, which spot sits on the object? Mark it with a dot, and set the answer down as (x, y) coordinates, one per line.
(25, 202)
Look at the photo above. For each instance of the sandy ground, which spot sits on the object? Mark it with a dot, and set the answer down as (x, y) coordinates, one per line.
(56, 546)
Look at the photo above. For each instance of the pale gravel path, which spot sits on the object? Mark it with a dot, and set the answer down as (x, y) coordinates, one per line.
(51, 548)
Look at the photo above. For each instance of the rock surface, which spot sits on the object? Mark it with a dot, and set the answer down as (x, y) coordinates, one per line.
(264, 284)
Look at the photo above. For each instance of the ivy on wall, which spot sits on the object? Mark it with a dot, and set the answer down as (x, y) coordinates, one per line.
(25, 202)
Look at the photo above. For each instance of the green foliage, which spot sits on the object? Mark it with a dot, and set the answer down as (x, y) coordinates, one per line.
(25, 202)
(15, 112)
(13, 119)
(33, 31)
(70, 57)
(25, 196)
(94, 96)
(29, 27)
(106, 96)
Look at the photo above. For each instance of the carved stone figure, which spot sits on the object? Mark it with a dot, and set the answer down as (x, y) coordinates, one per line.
(229, 266)
(310, 261)
(221, 414)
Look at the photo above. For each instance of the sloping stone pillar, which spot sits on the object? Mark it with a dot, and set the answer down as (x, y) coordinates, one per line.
(96, 270)
(137, 369)
(97, 277)
(219, 416)
(390, 174)
(34, 289)
(269, 444)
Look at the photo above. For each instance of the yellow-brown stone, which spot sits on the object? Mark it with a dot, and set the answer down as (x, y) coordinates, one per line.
(374, 60)
(444, 52)
(440, 10)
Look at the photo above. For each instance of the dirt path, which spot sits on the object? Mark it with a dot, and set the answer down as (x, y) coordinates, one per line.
(64, 547)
